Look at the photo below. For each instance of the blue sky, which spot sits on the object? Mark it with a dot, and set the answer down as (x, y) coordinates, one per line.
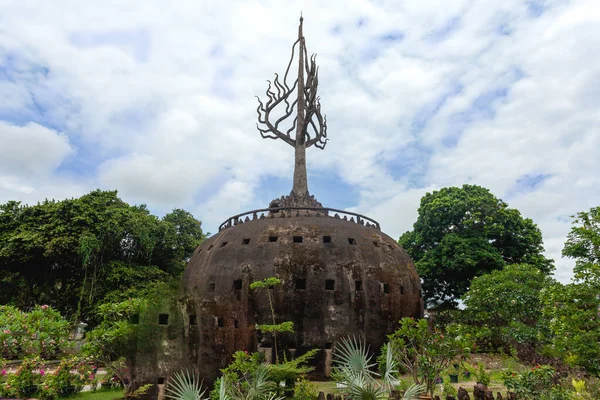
(158, 102)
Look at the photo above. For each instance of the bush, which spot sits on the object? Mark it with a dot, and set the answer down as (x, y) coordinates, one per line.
(63, 382)
(450, 390)
(481, 375)
(24, 382)
(42, 332)
(425, 353)
(503, 308)
(539, 382)
(305, 390)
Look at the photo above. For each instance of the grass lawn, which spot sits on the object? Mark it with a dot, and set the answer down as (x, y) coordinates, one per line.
(98, 395)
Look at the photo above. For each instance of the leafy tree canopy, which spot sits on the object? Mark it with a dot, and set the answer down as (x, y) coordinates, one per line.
(464, 232)
(573, 310)
(504, 307)
(583, 242)
(75, 253)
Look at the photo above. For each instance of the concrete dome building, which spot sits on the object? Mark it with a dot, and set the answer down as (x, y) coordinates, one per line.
(340, 274)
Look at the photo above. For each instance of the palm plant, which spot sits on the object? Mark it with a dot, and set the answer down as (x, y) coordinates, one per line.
(254, 385)
(185, 386)
(354, 369)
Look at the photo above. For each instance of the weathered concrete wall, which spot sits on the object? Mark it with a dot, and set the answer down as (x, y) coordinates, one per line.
(374, 285)
(389, 287)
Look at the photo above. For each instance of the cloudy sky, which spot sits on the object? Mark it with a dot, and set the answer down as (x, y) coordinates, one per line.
(156, 99)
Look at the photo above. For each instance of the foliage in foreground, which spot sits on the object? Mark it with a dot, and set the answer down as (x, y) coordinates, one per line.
(539, 382)
(246, 370)
(425, 353)
(354, 372)
(31, 378)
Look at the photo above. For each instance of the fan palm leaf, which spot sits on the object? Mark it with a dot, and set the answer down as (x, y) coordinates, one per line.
(352, 354)
(390, 366)
(413, 392)
(185, 386)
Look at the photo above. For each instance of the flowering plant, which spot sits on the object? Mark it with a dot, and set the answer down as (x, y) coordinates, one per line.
(533, 383)
(24, 382)
(3, 376)
(11, 322)
(42, 331)
(70, 377)
(46, 331)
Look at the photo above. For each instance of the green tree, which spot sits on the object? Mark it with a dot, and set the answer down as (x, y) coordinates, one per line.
(583, 242)
(424, 352)
(573, 310)
(274, 328)
(72, 253)
(465, 232)
(504, 307)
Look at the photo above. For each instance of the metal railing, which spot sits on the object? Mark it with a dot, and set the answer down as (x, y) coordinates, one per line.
(289, 212)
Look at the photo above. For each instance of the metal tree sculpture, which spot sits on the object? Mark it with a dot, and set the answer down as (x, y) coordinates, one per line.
(310, 125)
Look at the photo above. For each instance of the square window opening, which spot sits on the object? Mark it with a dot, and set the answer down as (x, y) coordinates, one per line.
(272, 239)
(193, 319)
(401, 289)
(236, 324)
(160, 381)
(386, 288)
(163, 319)
(245, 241)
(329, 284)
(297, 239)
(237, 284)
(300, 284)
(220, 322)
(224, 244)
(358, 286)
(351, 241)
(326, 239)
(328, 345)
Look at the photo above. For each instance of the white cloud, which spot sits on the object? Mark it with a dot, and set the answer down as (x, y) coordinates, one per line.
(159, 102)
(31, 149)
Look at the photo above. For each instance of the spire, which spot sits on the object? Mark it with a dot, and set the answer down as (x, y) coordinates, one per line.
(309, 124)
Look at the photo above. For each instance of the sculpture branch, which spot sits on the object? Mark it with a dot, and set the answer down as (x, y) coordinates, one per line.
(277, 93)
(309, 125)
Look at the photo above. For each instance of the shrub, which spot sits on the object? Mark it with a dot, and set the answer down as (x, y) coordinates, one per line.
(539, 382)
(481, 374)
(425, 353)
(305, 390)
(450, 390)
(64, 382)
(11, 323)
(23, 383)
(503, 308)
(42, 332)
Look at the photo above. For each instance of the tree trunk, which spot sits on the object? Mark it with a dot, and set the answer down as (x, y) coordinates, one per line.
(300, 187)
